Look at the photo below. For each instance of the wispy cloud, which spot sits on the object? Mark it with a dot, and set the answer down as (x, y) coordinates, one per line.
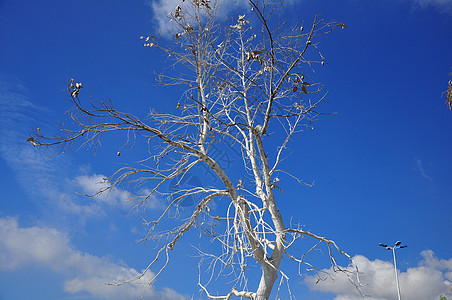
(22, 247)
(90, 185)
(431, 278)
(38, 174)
(420, 168)
(50, 180)
(444, 6)
(162, 8)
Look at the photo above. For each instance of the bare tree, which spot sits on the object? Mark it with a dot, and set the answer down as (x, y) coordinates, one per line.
(248, 85)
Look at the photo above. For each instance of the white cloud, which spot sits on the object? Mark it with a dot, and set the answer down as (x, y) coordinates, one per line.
(92, 184)
(51, 183)
(49, 248)
(38, 174)
(420, 169)
(440, 5)
(46, 178)
(427, 281)
(162, 8)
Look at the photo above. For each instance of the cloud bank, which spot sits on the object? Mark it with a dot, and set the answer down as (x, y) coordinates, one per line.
(431, 278)
(22, 247)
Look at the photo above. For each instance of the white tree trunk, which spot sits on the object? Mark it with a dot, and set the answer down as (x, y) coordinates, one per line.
(268, 278)
(231, 85)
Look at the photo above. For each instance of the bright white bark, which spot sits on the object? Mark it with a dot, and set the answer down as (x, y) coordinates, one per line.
(247, 85)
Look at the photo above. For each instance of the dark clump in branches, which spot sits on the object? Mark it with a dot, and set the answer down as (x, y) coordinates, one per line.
(449, 94)
(249, 84)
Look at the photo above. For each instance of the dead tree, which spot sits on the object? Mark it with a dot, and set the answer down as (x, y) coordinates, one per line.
(248, 84)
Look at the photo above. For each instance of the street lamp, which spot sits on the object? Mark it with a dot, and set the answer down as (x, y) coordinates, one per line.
(396, 246)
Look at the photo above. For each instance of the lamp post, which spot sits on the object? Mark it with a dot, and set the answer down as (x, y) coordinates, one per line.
(396, 246)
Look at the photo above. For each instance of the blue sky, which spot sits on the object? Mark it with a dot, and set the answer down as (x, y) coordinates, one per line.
(381, 165)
